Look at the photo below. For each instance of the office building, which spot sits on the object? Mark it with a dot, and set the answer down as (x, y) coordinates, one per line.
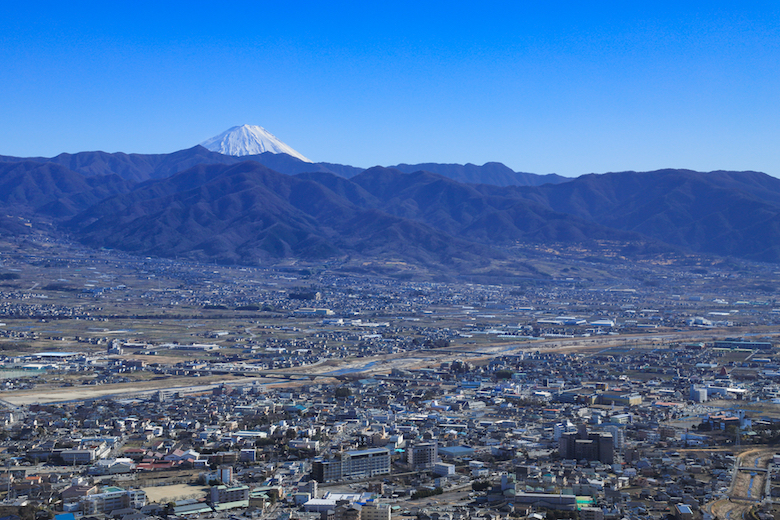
(352, 465)
(422, 456)
(588, 446)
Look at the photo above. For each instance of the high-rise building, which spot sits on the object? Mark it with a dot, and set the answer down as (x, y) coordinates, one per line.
(618, 436)
(698, 395)
(422, 456)
(589, 446)
(606, 451)
(561, 428)
(310, 487)
(351, 465)
(225, 474)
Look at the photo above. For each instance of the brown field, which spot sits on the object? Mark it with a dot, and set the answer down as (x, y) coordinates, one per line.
(172, 493)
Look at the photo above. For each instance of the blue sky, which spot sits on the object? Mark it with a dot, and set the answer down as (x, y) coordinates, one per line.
(564, 87)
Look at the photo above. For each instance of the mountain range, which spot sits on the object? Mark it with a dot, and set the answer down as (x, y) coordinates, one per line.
(139, 168)
(205, 205)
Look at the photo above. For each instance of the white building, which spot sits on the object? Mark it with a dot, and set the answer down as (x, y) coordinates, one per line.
(374, 511)
(223, 494)
(351, 465)
(443, 469)
(112, 498)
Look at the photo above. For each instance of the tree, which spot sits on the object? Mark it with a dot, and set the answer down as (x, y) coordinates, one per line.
(343, 392)
(424, 493)
(480, 485)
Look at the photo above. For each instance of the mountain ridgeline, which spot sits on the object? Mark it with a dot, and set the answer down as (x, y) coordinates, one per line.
(248, 210)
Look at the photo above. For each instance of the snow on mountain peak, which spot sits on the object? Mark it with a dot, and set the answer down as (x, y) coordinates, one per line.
(249, 140)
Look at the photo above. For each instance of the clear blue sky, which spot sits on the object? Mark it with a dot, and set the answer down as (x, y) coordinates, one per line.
(565, 87)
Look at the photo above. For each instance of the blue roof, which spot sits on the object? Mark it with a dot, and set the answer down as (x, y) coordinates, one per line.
(456, 449)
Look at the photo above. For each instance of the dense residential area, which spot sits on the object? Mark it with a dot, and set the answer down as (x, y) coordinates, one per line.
(521, 435)
(377, 329)
(141, 388)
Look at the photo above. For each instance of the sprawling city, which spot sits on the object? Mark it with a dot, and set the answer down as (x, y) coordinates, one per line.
(140, 387)
(482, 260)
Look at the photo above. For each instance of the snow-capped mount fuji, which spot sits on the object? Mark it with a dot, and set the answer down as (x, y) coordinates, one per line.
(249, 140)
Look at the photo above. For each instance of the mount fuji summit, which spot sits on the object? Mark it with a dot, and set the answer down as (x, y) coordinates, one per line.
(249, 140)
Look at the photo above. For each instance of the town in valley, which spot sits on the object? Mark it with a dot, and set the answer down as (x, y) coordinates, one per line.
(598, 388)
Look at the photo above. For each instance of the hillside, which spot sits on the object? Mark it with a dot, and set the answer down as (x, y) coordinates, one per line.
(247, 213)
(724, 213)
(237, 210)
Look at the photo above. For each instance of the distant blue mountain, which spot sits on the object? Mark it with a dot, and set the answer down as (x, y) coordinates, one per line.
(493, 173)
(143, 167)
(205, 205)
